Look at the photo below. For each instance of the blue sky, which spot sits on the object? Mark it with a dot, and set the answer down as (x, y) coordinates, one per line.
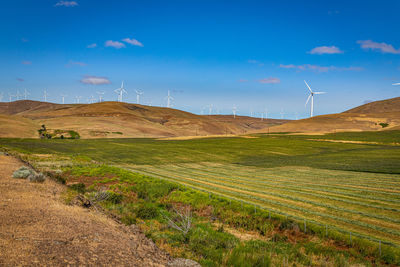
(252, 54)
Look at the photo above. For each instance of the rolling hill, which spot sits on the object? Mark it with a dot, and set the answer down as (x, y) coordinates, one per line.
(374, 116)
(23, 119)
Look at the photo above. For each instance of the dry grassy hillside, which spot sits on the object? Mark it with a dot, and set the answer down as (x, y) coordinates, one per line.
(115, 119)
(368, 117)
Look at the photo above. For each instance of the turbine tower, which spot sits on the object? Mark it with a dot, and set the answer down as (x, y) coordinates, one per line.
(138, 94)
(266, 113)
(312, 98)
(18, 95)
(169, 98)
(210, 109)
(282, 114)
(26, 93)
(91, 99)
(234, 110)
(100, 93)
(120, 91)
(63, 97)
(45, 95)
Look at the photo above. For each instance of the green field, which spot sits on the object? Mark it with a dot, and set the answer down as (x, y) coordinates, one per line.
(352, 187)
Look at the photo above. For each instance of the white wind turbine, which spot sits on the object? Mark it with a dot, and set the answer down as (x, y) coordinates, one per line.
(78, 99)
(1, 97)
(100, 93)
(234, 110)
(210, 109)
(63, 98)
(312, 98)
(91, 99)
(10, 96)
(282, 114)
(266, 113)
(45, 95)
(169, 98)
(18, 94)
(138, 94)
(120, 91)
(26, 93)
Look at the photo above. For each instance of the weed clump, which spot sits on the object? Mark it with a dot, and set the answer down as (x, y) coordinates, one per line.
(29, 174)
(146, 211)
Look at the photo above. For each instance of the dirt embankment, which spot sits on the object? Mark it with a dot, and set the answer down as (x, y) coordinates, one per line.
(37, 229)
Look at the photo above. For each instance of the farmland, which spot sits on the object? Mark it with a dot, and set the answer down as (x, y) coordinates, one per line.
(352, 186)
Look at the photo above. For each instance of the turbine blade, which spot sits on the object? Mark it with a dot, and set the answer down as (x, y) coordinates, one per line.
(396, 84)
(308, 99)
(319, 93)
(308, 86)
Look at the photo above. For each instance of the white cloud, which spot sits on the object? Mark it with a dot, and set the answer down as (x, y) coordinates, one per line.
(132, 42)
(319, 68)
(383, 47)
(92, 45)
(243, 80)
(253, 61)
(27, 62)
(114, 44)
(270, 80)
(20, 79)
(326, 50)
(66, 3)
(95, 80)
(76, 63)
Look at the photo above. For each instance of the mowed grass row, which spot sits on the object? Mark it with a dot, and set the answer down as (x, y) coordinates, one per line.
(375, 221)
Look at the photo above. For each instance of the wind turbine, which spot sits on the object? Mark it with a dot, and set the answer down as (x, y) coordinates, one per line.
(18, 95)
(297, 115)
(396, 84)
(91, 99)
(120, 91)
(45, 95)
(234, 109)
(266, 113)
(282, 114)
(1, 97)
(210, 109)
(26, 93)
(10, 96)
(63, 97)
(77, 99)
(138, 94)
(100, 93)
(312, 98)
(169, 98)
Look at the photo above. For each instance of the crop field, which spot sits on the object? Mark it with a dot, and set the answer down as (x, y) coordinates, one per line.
(352, 186)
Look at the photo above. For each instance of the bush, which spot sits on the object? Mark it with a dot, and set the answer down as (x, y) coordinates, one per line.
(22, 173)
(128, 219)
(251, 253)
(37, 177)
(79, 187)
(114, 198)
(146, 211)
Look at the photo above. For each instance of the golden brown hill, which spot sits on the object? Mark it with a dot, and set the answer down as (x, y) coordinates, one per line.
(374, 116)
(116, 119)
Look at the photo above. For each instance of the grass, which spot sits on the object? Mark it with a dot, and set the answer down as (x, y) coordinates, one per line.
(349, 187)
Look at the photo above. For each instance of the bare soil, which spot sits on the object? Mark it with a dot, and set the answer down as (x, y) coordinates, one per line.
(38, 229)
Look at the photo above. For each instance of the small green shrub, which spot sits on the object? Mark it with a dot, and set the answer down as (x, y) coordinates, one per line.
(79, 187)
(37, 177)
(249, 254)
(128, 219)
(22, 173)
(384, 124)
(114, 198)
(147, 211)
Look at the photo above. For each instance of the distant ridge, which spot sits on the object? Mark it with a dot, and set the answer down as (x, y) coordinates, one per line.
(118, 120)
(374, 116)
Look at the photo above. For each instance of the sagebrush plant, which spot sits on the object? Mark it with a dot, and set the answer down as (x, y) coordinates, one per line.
(29, 174)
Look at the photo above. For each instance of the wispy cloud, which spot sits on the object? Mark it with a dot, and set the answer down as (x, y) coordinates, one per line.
(114, 44)
(383, 47)
(320, 50)
(243, 80)
(270, 80)
(76, 63)
(253, 61)
(26, 62)
(318, 68)
(24, 40)
(92, 45)
(20, 79)
(95, 80)
(132, 42)
(66, 3)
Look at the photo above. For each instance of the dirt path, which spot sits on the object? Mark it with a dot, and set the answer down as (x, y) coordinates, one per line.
(37, 229)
